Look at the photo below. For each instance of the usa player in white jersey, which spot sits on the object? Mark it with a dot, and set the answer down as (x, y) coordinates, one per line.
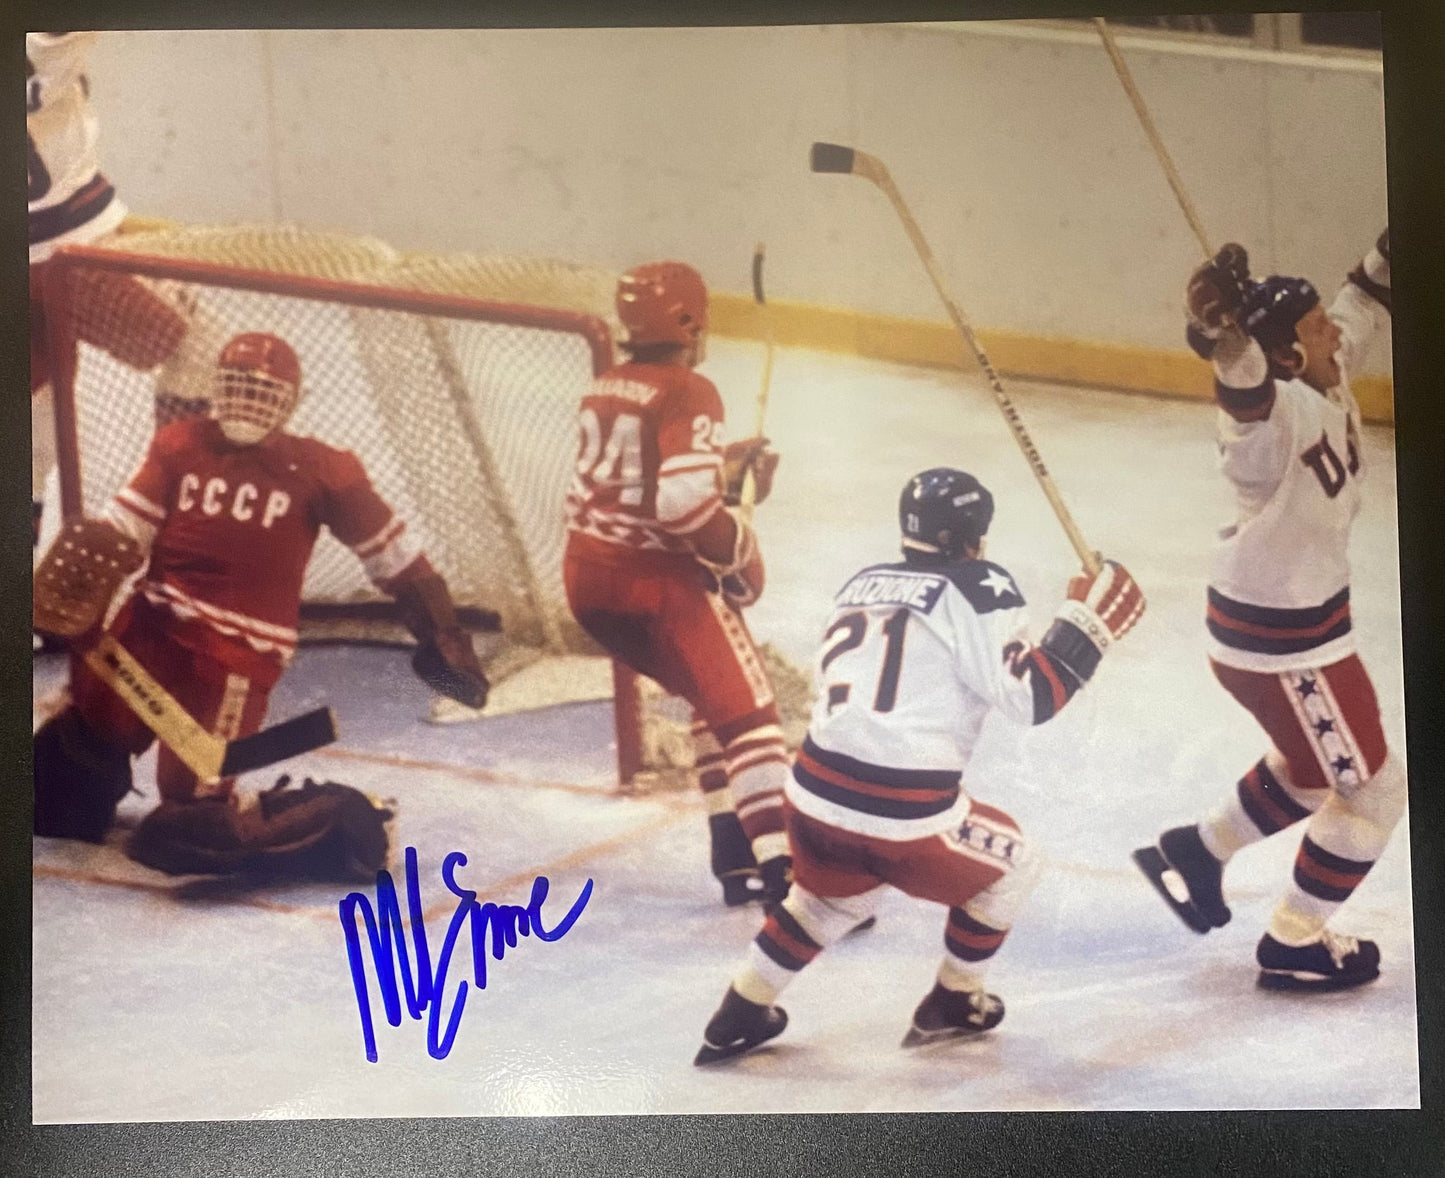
(72, 203)
(915, 657)
(1279, 615)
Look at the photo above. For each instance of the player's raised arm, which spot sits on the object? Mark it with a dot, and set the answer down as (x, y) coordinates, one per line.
(1362, 306)
(1215, 308)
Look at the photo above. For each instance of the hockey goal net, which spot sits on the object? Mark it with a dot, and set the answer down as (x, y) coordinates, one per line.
(455, 378)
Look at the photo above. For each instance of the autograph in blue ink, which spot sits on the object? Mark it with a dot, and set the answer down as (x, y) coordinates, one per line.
(422, 985)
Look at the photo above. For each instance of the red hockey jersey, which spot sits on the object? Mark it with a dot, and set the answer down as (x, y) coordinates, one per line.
(230, 528)
(649, 461)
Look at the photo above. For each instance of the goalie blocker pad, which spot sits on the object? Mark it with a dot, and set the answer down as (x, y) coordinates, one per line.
(319, 830)
(79, 575)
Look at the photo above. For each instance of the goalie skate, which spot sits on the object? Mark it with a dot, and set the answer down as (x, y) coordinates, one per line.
(739, 1026)
(952, 1014)
(1187, 877)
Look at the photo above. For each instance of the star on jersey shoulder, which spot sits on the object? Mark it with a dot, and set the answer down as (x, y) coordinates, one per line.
(986, 586)
(999, 581)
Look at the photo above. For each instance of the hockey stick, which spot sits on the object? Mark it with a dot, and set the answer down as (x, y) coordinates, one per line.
(204, 753)
(1190, 215)
(830, 157)
(750, 486)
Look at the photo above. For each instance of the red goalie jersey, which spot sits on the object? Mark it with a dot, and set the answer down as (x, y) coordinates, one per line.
(650, 458)
(230, 529)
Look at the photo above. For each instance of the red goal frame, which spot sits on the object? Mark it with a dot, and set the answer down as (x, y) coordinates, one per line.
(62, 348)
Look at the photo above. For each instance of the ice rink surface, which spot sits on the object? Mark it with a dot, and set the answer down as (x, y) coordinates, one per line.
(168, 999)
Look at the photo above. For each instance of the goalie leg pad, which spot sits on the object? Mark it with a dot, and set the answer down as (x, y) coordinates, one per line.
(80, 778)
(321, 830)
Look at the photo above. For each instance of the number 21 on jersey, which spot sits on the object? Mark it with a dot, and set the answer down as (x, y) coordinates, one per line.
(849, 633)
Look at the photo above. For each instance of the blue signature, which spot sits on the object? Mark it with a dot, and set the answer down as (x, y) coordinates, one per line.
(423, 987)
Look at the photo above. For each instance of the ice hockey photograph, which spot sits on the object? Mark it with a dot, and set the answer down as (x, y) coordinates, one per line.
(832, 568)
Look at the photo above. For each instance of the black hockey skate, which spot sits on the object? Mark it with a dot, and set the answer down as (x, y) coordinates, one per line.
(951, 1014)
(1187, 876)
(741, 887)
(1331, 963)
(733, 863)
(777, 876)
(738, 1026)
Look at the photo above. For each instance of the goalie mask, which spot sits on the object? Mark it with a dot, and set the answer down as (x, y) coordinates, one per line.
(944, 512)
(257, 385)
(662, 303)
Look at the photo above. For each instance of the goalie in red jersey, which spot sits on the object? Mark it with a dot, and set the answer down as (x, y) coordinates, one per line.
(659, 565)
(227, 510)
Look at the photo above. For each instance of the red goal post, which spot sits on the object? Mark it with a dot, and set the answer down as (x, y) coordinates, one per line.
(462, 409)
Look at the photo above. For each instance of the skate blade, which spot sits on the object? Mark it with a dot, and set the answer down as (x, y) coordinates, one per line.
(1283, 981)
(707, 1053)
(863, 925)
(921, 1038)
(1156, 869)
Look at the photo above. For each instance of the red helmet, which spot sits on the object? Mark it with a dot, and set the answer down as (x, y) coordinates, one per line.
(662, 303)
(258, 382)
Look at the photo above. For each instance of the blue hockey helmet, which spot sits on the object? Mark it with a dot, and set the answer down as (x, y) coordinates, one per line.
(1272, 308)
(944, 511)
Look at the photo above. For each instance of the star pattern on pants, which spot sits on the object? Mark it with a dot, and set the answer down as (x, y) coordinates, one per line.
(1321, 721)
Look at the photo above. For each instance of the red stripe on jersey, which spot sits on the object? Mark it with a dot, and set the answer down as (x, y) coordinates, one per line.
(1222, 619)
(1056, 685)
(892, 793)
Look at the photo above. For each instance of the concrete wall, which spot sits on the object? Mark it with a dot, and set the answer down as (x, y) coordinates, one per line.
(1014, 144)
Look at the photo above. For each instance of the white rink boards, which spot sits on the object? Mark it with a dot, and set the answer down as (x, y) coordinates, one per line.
(158, 999)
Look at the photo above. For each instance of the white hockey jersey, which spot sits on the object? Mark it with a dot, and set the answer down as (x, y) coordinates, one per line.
(1279, 591)
(70, 201)
(914, 658)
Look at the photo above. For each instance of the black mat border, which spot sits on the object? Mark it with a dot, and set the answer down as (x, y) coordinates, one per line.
(1275, 1143)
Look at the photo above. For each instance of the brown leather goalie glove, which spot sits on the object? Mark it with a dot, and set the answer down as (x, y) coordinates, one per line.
(79, 575)
(749, 454)
(319, 830)
(444, 658)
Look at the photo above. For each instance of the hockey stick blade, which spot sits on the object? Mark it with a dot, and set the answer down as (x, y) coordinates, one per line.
(832, 157)
(280, 742)
(1152, 863)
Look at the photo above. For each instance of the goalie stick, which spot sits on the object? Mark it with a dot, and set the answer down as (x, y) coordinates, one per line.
(750, 486)
(1136, 99)
(204, 753)
(831, 157)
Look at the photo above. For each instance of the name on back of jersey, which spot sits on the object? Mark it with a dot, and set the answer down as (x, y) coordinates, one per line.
(919, 591)
(639, 392)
